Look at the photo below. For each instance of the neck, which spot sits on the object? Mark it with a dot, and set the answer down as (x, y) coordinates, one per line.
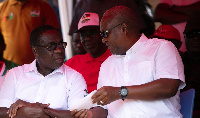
(43, 70)
(101, 52)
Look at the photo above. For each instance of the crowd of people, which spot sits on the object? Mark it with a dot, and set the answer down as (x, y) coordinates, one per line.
(134, 69)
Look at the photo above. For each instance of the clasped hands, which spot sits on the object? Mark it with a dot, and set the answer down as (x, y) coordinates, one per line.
(103, 96)
(38, 110)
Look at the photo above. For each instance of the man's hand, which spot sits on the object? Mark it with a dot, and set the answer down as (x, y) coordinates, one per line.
(84, 113)
(20, 103)
(68, 114)
(34, 110)
(13, 108)
(106, 95)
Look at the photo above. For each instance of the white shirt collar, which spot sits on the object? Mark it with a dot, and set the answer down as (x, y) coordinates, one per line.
(32, 67)
(136, 47)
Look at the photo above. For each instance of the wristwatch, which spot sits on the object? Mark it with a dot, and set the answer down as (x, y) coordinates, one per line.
(123, 92)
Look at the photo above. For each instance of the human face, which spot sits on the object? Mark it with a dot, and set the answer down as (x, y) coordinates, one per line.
(76, 43)
(50, 59)
(192, 41)
(91, 41)
(113, 37)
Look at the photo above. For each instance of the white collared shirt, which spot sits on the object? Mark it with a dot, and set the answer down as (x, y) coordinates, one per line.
(61, 88)
(147, 60)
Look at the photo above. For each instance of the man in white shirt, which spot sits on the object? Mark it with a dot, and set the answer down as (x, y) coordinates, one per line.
(46, 85)
(143, 77)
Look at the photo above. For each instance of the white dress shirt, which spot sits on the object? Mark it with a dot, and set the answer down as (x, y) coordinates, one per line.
(147, 60)
(61, 88)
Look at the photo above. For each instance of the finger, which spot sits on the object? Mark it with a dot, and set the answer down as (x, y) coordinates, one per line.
(79, 113)
(12, 110)
(43, 105)
(47, 112)
(86, 114)
(73, 112)
(100, 98)
(82, 115)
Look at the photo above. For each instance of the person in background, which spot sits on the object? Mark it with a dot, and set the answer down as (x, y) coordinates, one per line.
(44, 86)
(17, 19)
(100, 6)
(5, 65)
(89, 64)
(142, 77)
(191, 61)
(76, 45)
(177, 13)
(170, 33)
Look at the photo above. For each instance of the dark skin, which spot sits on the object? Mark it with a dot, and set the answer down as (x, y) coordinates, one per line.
(193, 45)
(119, 41)
(91, 41)
(76, 44)
(175, 14)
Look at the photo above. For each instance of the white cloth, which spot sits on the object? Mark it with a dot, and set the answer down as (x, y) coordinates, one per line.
(147, 60)
(62, 88)
(180, 26)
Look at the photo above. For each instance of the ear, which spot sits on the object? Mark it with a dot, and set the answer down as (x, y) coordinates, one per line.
(124, 27)
(34, 50)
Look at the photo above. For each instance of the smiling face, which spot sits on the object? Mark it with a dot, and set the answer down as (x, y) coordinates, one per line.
(91, 41)
(49, 59)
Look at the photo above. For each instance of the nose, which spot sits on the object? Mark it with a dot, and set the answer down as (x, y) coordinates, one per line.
(104, 40)
(58, 49)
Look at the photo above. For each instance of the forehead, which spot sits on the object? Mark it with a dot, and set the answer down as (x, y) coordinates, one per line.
(107, 23)
(51, 36)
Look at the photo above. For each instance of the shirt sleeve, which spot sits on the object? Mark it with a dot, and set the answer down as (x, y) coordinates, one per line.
(78, 89)
(169, 63)
(7, 91)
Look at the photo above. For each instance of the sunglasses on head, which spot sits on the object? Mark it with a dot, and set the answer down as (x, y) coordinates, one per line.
(193, 34)
(52, 46)
(104, 34)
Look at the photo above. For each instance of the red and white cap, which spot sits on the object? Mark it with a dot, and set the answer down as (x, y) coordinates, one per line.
(88, 21)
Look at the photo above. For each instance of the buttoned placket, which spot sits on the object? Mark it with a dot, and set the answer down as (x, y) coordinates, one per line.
(41, 89)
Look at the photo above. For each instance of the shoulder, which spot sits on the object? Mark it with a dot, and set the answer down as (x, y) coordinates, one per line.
(159, 42)
(72, 75)
(110, 60)
(70, 71)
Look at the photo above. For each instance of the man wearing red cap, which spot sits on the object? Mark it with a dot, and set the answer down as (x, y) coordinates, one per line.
(191, 60)
(170, 33)
(89, 64)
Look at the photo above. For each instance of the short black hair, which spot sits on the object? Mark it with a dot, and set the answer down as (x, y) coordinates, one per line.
(36, 34)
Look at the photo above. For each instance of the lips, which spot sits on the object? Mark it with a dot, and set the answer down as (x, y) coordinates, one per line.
(89, 45)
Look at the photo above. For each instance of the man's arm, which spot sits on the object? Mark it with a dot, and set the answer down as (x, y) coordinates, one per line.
(155, 90)
(25, 109)
(3, 112)
(95, 112)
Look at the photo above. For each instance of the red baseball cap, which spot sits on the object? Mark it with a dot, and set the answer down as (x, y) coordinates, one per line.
(166, 32)
(88, 21)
